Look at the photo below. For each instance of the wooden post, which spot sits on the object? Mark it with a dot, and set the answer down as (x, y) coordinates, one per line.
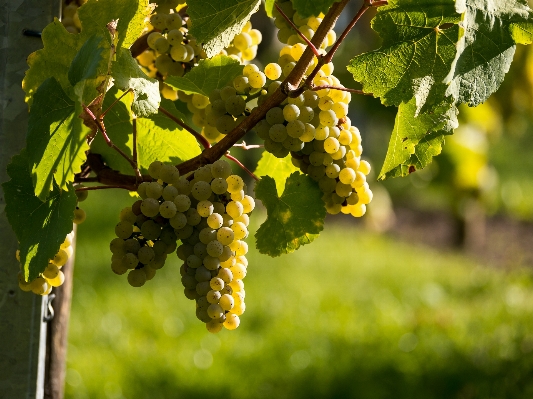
(23, 332)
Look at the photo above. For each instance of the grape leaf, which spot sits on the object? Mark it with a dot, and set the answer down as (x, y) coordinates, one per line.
(416, 55)
(522, 32)
(208, 75)
(128, 75)
(277, 168)
(293, 219)
(307, 8)
(56, 138)
(415, 139)
(215, 23)
(486, 48)
(40, 227)
(131, 16)
(85, 63)
(269, 7)
(158, 137)
(94, 16)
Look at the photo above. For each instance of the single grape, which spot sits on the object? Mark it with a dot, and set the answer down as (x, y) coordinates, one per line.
(273, 71)
(124, 229)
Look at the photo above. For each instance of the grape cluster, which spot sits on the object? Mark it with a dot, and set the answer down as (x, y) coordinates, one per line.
(225, 108)
(213, 248)
(69, 12)
(52, 276)
(208, 212)
(145, 232)
(314, 127)
(172, 51)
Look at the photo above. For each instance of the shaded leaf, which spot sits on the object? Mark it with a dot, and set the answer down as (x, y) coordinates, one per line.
(85, 63)
(208, 75)
(293, 219)
(277, 168)
(40, 227)
(56, 139)
(215, 23)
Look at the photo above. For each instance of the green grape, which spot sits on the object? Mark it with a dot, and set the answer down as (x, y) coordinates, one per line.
(343, 190)
(200, 250)
(275, 116)
(190, 53)
(273, 71)
(325, 103)
(217, 284)
(174, 21)
(225, 235)
(81, 195)
(331, 145)
(257, 79)
(194, 261)
(347, 176)
(117, 246)
(205, 208)
(226, 92)
(215, 311)
(215, 221)
(244, 218)
(237, 195)
(295, 129)
(340, 109)
(214, 248)
(131, 245)
(235, 183)
(141, 190)
(188, 282)
(211, 263)
(202, 274)
(278, 133)
(167, 173)
(79, 216)
(118, 267)
(167, 209)
(241, 84)
(293, 144)
(161, 45)
(160, 247)
(221, 169)
(242, 41)
(150, 207)
(328, 118)
(130, 261)
(150, 230)
(225, 124)
(239, 271)
(235, 105)
(178, 221)
(232, 321)
(154, 190)
(152, 38)
(169, 193)
(234, 209)
(178, 52)
(146, 255)
(193, 217)
(163, 63)
(291, 112)
(225, 274)
(174, 37)
(306, 114)
(201, 190)
(182, 202)
(124, 229)
(239, 230)
(219, 185)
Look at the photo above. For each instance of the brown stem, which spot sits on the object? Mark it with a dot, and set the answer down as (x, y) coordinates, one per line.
(114, 102)
(103, 187)
(203, 141)
(292, 82)
(134, 134)
(305, 39)
(231, 157)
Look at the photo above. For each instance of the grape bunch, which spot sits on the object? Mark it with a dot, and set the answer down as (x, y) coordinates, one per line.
(314, 127)
(214, 250)
(145, 232)
(172, 51)
(225, 108)
(208, 212)
(52, 276)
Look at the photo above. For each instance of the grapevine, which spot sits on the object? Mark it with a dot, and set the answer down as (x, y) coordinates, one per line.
(150, 98)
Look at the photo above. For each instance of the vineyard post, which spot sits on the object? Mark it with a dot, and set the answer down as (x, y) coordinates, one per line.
(24, 361)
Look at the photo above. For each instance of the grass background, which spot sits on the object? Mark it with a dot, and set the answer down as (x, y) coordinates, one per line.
(353, 315)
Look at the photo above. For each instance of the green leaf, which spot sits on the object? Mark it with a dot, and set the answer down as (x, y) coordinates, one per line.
(56, 138)
(416, 55)
(208, 75)
(86, 61)
(415, 139)
(131, 15)
(215, 23)
(277, 168)
(486, 48)
(294, 219)
(158, 137)
(522, 32)
(269, 7)
(61, 47)
(307, 8)
(40, 227)
(128, 75)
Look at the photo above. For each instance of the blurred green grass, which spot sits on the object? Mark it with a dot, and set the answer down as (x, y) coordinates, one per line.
(353, 315)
